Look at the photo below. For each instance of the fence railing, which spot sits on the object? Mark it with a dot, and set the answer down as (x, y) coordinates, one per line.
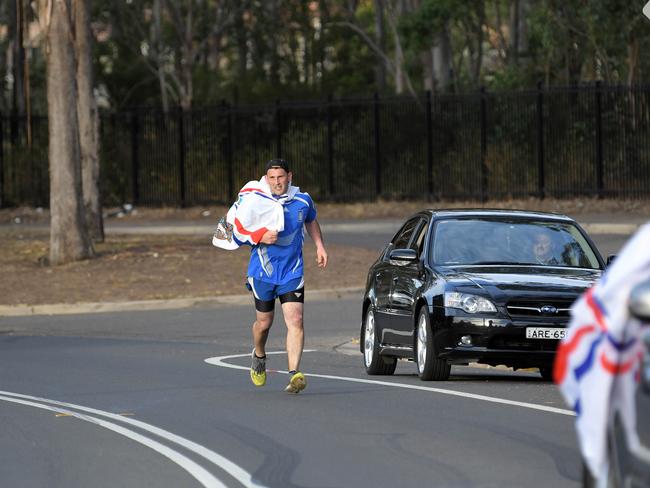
(557, 142)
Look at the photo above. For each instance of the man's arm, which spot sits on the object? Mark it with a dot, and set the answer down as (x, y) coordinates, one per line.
(313, 229)
(269, 237)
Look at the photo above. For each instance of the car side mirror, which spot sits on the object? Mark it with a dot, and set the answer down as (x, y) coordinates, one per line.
(639, 303)
(403, 255)
(610, 259)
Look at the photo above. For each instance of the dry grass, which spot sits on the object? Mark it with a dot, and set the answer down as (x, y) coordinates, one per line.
(150, 267)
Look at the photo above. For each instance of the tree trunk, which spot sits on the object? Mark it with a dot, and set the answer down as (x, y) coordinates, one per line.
(518, 42)
(513, 44)
(187, 60)
(441, 54)
(478, 62)
(632, 60)
(426, 59)
(18, 55)
(274, 32)
(88, 122)
(69, 239)
(160, 63)
(380, 36)
(241, 40)
(400, 69)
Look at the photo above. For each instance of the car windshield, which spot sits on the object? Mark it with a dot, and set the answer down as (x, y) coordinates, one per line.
(541, 243)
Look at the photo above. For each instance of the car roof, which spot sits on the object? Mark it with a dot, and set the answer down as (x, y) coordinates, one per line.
(494, 212)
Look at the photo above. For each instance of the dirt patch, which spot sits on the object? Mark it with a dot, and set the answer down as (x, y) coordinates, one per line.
(150, 267)
(162, 267)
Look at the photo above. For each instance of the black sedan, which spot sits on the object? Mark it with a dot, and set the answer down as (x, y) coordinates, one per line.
(464, 286)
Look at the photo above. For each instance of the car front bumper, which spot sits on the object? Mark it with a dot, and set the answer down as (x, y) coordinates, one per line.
(491, 340)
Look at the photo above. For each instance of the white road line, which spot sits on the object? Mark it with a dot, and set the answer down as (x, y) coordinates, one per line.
(196, 471)
(221, 462)
(219, 361)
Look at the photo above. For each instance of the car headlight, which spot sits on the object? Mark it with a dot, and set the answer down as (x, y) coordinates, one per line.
(468, 303)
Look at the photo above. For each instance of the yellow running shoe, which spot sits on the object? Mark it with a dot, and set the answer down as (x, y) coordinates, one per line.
(297, 383)
(258, 370)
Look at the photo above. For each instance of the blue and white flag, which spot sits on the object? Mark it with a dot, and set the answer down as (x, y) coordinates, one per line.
(597, 364)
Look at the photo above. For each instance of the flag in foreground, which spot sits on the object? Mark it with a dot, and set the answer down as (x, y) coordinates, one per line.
(597, 363)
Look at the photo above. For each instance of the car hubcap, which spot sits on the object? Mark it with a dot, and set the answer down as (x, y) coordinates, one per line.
(369, 338)
(422, 343)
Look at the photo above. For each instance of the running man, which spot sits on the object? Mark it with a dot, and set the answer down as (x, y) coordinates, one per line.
(276, 271)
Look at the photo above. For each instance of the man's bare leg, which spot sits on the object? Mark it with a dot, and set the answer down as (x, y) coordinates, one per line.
(292, 312)
(261, 327)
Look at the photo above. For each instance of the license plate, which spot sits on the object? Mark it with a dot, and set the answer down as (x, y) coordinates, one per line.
(544, 333)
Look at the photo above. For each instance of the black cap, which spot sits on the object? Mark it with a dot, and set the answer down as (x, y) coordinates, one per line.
(277, 164)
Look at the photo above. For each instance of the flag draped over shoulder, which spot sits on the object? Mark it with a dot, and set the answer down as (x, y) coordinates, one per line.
(255, 212)
(597, 363)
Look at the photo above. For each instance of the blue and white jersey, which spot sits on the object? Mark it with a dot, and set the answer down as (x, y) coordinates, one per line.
(282, 262)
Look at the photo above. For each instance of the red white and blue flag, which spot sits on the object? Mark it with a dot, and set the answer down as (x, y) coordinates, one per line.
(598, 362)
(255, 212)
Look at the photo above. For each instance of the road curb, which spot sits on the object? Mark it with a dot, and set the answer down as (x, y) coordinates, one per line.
(148, 305)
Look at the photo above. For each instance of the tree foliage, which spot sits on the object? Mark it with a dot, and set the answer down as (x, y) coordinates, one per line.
(198, 52)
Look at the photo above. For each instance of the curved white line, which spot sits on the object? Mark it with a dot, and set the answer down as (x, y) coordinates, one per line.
(196, 471)
(223, 463)
(219, 361)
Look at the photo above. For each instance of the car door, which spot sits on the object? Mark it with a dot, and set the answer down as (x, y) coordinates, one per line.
(407, 281)
(391, 334)
(383, 275)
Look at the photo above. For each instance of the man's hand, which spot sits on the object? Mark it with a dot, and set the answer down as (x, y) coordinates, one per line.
(313, 229)
(269, 237)
(321, 257)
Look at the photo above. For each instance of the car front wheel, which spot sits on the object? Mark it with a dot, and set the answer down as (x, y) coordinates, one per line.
(374, 363)
(429, 366)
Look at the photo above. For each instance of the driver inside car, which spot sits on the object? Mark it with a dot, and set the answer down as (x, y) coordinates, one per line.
(544, 249)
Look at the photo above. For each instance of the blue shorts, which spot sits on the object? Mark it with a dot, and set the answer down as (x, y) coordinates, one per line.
(266, 293)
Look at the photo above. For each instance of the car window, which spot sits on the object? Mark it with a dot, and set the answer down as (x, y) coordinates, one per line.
(543, 243)
(403, 237)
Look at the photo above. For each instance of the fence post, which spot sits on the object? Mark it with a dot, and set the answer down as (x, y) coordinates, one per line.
(377, 146)
(541, 176)
(484, 169)
(181, 156)
(278, 123)
(135, 161)
(429, 144)
(330, 146)
(229, 152)
(600, 185)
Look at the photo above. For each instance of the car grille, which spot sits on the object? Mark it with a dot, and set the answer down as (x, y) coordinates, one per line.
(545, 308)
(522, 344)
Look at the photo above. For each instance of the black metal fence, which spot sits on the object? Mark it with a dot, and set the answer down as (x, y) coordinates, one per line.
(558, 142)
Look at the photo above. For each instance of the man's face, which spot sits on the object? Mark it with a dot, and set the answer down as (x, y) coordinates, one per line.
(542, 246)
(278, 179)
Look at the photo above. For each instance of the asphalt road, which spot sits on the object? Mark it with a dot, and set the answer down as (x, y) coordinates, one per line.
(142, 407)
(128, 399)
